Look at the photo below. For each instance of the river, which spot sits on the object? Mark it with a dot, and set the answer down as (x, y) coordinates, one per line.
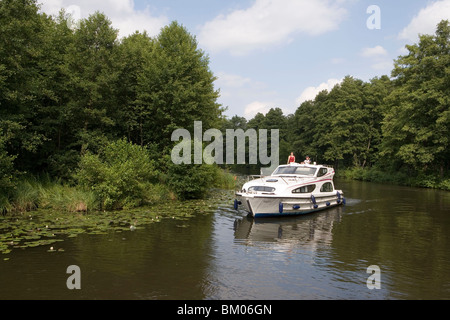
(221, 254)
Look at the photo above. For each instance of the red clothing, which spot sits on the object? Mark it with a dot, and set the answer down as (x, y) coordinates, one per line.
(291, 159)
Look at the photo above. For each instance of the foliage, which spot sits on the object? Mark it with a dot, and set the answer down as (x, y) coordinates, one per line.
(416, 124)
(190, 181)
(119, 175)
(387, 129)
(6, 167)
(92, 75)
(132, 53)
(33, 192)
(71, 97)
(342, 125)
(225, 179)
(176, 87)
(66, 92)
(21, 80)
(7, 175)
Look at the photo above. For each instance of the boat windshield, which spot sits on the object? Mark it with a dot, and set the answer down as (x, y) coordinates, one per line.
(302, 171)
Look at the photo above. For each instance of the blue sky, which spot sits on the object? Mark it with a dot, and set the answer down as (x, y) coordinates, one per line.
(277, 53)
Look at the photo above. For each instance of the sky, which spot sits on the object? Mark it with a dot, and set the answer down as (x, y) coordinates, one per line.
(279, 53)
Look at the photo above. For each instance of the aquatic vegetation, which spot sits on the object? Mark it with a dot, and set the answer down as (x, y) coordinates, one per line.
(45, 227)
(32, 193)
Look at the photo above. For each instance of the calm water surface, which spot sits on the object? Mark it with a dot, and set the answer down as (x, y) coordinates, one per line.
(225, 255)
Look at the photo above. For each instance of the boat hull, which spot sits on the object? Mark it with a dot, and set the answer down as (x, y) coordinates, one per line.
(264, 207)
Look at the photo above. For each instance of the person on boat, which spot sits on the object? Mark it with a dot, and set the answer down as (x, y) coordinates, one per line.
(291, 158)
(307, 160)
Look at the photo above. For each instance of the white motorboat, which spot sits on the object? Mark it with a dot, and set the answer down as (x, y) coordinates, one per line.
(293, 189)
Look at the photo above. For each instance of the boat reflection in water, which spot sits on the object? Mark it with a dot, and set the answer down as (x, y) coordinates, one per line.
(308, 231)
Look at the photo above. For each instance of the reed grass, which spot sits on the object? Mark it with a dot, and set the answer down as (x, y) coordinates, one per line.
(225, 179)
(31, 193)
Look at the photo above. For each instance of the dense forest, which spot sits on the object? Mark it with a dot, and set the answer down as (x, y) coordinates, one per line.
(86, 118)
(390, 129)
(84, 108)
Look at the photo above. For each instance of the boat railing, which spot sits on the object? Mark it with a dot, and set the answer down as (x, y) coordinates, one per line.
(255, 176)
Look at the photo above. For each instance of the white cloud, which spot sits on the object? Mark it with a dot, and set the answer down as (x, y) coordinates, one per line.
(231, 80)
(51, 6)
(270, 22)
(379, 58)
(426, 20)
(374, 52)
(310, 93)
(122, 13)
(253, 108)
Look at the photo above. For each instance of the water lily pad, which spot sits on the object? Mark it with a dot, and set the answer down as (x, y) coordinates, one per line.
(48, 226)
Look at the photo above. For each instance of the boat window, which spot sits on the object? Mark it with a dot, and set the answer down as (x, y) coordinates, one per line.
(327, 187)
(304, 171)
(322, 172)
(305, 189)
(284, 170)
(261, 189)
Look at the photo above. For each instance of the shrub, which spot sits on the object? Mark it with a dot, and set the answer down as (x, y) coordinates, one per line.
(120, 175)
(6, 176)
(445, 184)
(190, 181)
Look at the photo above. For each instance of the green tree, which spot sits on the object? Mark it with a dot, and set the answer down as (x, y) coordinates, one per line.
(416, 124)
(343, 125)
(53, 118)
(6, 174)
(276, 120)
(375, 93)
(304, 130)
(133, 53)
(92, 73)
(236, 122)
(190, 181)
(22, 40)
(176, 87)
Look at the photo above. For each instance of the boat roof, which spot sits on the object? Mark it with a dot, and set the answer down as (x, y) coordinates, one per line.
(295, 172)
(305, 165)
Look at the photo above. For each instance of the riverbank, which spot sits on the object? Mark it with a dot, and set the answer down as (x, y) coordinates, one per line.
(421, 180)
(33, 193)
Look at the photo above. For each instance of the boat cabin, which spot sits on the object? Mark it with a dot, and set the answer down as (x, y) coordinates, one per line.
(303, 170)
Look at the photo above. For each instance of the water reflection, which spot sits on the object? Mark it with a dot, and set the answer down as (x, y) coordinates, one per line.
(225, 255)
(307, 231)
(281, 258)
